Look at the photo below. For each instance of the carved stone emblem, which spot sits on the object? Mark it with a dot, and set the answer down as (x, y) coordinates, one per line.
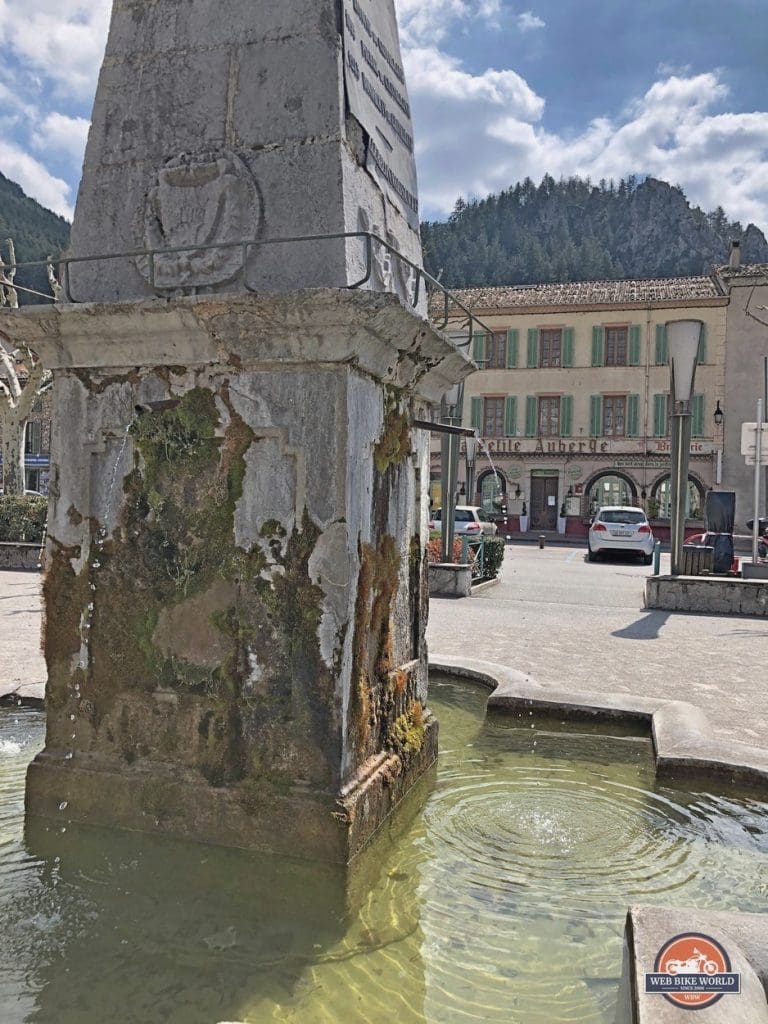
(206, 199)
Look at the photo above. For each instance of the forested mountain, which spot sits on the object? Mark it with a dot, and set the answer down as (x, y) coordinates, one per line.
(36, 232)
(572, 230)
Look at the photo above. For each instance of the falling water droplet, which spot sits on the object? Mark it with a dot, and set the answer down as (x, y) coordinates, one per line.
(68, 756)
(72, 718)
(63, 805)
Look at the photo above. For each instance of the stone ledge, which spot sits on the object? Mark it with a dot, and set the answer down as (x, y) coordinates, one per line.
(744, 938)
(18, 555)
(681, 732)
(449, 579)
(373, 331)
(707, 595)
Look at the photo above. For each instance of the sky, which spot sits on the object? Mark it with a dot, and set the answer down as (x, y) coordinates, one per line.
(500, 89)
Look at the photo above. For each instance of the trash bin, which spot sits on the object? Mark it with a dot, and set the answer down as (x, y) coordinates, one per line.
(697, 560)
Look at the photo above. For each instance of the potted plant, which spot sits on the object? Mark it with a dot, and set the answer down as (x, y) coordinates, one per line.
(524, 519)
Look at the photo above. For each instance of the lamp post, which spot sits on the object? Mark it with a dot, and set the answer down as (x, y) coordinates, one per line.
(719, 418)
(470, 456)
(451, 413)
(683, 338)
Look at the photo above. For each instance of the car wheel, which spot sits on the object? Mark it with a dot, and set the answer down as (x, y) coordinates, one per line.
(647, 559)
(591, 555)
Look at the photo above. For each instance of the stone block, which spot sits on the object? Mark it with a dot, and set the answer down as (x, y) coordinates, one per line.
(448, 580)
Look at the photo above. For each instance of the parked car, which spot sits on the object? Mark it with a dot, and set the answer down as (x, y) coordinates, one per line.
(468, 519)
(620, 528)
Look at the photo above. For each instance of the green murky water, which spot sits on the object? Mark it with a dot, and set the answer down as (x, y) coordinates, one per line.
(503, 900)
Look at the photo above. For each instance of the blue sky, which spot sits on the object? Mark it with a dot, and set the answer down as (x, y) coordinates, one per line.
(500, 89)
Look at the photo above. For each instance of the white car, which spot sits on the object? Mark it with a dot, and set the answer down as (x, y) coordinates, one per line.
(468, 519)
(620, 528)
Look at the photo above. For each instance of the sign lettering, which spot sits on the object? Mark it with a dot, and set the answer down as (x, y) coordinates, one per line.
(378, 98)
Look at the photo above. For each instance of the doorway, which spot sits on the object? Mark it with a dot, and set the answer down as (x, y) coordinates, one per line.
(544, 502)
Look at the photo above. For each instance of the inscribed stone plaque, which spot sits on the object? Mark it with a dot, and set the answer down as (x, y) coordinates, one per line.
(378, 98)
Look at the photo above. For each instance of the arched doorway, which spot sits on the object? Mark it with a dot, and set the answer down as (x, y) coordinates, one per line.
(610, 488)
(661, 494)
(492, 489)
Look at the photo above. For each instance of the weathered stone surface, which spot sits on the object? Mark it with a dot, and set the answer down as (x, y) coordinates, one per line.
(716, 596)
(216, 126)
(19, 556)
(235, 587)
(450, 580)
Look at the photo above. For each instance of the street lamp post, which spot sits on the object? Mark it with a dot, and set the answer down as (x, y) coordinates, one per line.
(470, 456)
(449, 465)
(683, 338)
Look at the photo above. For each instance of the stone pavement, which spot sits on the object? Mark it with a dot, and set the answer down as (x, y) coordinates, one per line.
(573, 624)
(22, 667)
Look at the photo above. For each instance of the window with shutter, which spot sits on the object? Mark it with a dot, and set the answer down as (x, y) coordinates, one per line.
(568, 346)
(614, 416)
(566, 416)
(493, 417)
(595, 415)
(530, 416)
(510, 417)
(635, 345)
(476, 413)
(549, 416)
(616, 339)
(550, 348)
(662, 353)
(533, 347)
(633, 415)
(597, 346)
(697, 416)
(479, 346)
(660, 416)
(512, 345)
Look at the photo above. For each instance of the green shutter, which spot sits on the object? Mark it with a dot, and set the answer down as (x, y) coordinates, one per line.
(662, 354)
(703, 344)
(598, 345)
(633, 415)
(596, 415)
(659, 415)
(479, 350)
(530, 416)
(476, 413)
(634, 345)
(566, 416)
(533, 347)
(568, 346)
(513, 336)
(510, 416)
(697, 417)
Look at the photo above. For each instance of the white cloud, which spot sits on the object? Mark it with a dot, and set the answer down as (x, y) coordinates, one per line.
(62, 39)
(62, 134)
(529, 22)
(428, 22)
(35, 179)
(472, 148)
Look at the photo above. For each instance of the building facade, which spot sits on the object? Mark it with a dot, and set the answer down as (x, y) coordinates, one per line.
(571, 400)
(745, 381)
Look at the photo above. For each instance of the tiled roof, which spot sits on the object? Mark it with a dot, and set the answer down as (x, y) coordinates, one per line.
(588, 293)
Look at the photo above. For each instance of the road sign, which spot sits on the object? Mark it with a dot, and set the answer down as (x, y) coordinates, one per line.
(749, 443)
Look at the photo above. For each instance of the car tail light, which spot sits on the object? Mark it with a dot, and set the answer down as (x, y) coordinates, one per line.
(432, 524)
(473, 528)
(645, 528)
(599, 527)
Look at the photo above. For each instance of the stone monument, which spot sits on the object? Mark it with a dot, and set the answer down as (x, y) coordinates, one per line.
(235, 588)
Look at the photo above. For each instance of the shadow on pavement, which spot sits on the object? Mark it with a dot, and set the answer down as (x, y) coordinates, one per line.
(646, 628)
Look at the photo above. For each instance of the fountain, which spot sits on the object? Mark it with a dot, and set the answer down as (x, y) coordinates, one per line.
(503, 899)
(235, 575)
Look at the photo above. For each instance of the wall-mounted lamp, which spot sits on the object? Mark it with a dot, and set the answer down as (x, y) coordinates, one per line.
(719, 415)
(643, 494)
(518, 492)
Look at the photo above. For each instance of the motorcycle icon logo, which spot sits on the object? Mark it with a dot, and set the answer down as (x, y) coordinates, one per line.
(693, 971)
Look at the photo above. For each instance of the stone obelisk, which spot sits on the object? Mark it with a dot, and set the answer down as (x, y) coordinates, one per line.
(235, 583)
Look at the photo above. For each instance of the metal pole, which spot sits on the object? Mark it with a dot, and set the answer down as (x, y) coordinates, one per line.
(445, 479)
(765, 417)
(681, 443)
(758, 460)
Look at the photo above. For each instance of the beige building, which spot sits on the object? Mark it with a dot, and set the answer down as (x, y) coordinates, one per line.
(572, 398)
(747, 349)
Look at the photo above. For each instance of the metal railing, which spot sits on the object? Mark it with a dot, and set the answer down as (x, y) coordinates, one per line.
(473, 554)
(421, 278)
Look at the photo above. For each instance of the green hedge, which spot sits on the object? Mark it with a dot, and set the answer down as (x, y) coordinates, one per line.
(22, 518)
(494, 556)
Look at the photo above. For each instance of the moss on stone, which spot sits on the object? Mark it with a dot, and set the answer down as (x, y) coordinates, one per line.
(394, 445)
